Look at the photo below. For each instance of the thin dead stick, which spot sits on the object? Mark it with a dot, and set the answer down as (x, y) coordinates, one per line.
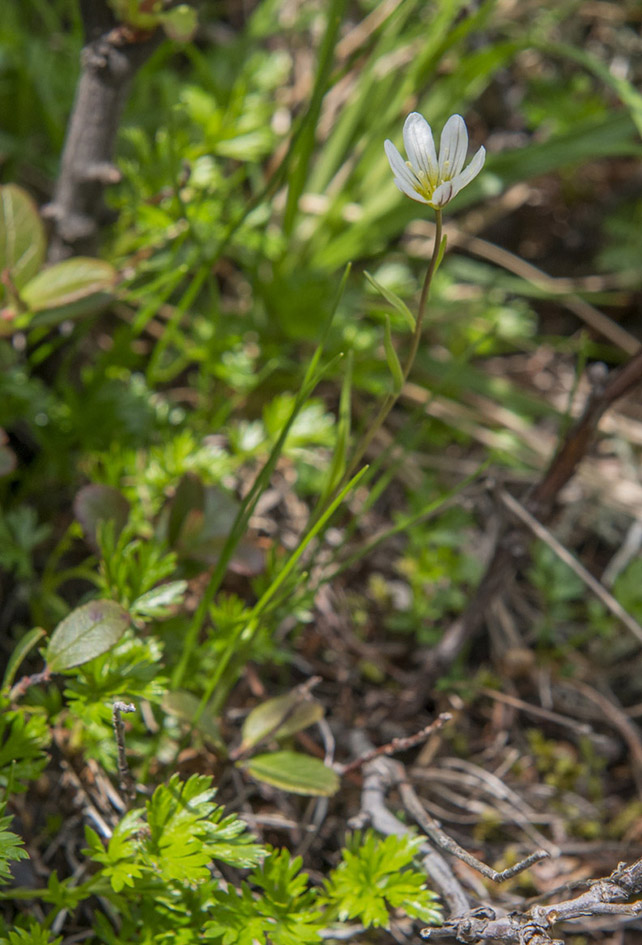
(582, 728)
(564, 555)
(127, 783)
(395, 746)
(437, 836)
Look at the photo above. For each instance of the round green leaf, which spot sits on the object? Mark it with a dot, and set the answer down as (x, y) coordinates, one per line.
(87, 632)
(294, 772)
(22, 235)
(68, 281)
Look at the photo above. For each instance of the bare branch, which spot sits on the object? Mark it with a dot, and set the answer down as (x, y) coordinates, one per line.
(441, 839)
(396, 745)
(109, 62)
(127, 784)
(608, 896)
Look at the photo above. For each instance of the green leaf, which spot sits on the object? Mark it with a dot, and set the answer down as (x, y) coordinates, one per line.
(304, 141)
(100, 503)
(286, 911)
(11, 847)
(441, 253)
(398, 304)
(67, 282)
(23, 739)
(119, 860)
(22, 235)
(159, 601)
(189, 495)
(184, 705)
(35, 934)
(20, 652)
(279, 718)
(180, 23)
(337, 466)
(188, 831)
(392, 359)
(375, 876)
(294, 772)
(87, 632)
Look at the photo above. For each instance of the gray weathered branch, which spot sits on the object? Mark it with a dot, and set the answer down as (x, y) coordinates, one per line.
(109, 61)
(608, 896)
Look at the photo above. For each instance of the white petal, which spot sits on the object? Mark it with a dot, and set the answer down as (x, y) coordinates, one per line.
(409, 191)
(399, 167)
(473, 169)
(420, 146)
(442, 195)
(453, 147)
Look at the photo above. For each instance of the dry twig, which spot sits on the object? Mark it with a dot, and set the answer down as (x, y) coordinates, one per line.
(608, 896)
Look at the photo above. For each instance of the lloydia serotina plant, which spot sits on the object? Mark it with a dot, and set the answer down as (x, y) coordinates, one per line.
(433, 181)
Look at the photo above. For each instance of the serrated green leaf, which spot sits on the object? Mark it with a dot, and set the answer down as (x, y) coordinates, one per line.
(397, 303)
(294, 772)
(22, 235)
(376, 875)
(392, 359)
(23, 739)
(11, 847)
(278, 718)
(188, 831)
(87, 632)
(67, 282)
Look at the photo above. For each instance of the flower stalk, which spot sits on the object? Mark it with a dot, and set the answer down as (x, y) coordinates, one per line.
(392, 398)
(432, 180)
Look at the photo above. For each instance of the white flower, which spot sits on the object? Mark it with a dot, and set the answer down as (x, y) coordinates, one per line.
(423, 177)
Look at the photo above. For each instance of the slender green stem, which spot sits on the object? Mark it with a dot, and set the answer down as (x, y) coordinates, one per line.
(391, 399)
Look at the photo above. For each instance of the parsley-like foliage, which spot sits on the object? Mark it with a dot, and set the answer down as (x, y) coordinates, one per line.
(375, 876)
